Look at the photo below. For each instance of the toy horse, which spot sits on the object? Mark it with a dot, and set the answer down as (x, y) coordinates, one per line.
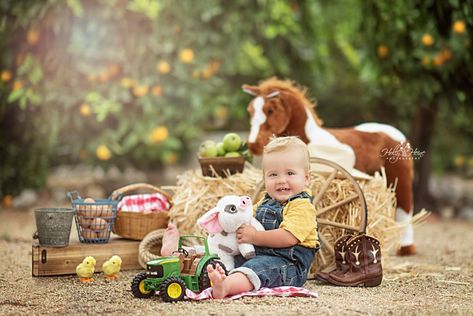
(281, 108)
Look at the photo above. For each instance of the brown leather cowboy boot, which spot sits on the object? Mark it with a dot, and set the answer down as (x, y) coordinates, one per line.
(341, 264)
(364, 260)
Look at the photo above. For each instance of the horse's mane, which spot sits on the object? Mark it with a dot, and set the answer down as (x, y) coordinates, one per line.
(297, 91)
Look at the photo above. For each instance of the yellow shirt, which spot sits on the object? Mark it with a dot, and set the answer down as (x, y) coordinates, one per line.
(300, 219)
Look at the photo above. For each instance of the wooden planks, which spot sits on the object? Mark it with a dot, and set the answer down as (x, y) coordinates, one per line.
(47, 261)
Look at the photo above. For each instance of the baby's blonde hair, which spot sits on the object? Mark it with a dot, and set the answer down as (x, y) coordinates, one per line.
(280, 144)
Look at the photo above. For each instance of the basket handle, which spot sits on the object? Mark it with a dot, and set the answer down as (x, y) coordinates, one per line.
(136, 186)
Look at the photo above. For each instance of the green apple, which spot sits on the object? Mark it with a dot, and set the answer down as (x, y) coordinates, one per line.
(232, 154)
(220, 150)
(208, 149)
(231, 142)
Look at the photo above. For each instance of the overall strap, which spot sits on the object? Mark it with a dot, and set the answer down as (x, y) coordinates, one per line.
(302, 195)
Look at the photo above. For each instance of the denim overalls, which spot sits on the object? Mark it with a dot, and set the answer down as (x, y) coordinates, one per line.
(276, 266)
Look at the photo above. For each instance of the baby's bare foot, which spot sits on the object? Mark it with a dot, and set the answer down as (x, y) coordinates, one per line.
(170, 240)
(217, 276)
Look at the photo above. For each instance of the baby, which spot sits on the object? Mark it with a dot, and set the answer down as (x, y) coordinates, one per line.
(286, 249)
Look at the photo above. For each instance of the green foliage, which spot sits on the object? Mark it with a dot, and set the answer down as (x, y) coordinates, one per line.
(24, 152)
(418, 54)
(423, 46)
(135, 81)
(120, 82)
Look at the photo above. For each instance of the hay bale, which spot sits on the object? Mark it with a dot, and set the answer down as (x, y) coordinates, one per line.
(195, 194)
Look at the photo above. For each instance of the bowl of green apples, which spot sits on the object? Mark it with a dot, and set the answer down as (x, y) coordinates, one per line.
(222, 159)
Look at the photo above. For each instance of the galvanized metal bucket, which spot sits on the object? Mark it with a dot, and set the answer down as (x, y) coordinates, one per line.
(53, 226)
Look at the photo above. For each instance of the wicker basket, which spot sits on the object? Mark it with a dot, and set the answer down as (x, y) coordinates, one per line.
(223, 166)
(133, 225)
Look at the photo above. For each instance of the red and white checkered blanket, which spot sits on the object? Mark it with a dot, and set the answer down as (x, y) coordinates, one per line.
(144, 203)
(285, 291)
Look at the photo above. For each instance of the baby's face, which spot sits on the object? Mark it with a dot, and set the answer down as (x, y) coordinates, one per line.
(285, 174)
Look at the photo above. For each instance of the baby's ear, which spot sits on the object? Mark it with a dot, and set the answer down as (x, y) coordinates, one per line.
(307, 178)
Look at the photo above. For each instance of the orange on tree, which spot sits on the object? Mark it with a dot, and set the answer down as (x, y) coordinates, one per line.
(113, 70)
(17, 85)
(127, 82)
(6, 75)
(104, 76)
(215, 65)
(427, 39)
(446, 54)
(7, 201)
(157, 90)
(207, 73)
(382, 51)
(439, 60)
(459, 26)
(221, 112)
(186, 55)
(170, 158)
(103, 153)
(32, 37)
(140, 90)
(459, 161)
(85, 110)
(159, 134)
(163, 67)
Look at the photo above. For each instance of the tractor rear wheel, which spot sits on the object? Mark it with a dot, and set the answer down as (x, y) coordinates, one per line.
(138, 286)
(172, 289)
(204, 281)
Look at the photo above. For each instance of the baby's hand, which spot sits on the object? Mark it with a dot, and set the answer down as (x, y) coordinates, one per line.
(245, 234)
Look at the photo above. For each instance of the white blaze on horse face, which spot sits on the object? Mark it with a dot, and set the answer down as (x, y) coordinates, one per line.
(258, 118)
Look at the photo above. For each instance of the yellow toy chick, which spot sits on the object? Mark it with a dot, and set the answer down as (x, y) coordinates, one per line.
(111, 267)
(85, 270)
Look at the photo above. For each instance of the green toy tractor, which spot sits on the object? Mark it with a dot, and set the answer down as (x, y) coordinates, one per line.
(172, 275)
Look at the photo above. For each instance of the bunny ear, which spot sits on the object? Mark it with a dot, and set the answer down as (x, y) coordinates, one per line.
(209, 222)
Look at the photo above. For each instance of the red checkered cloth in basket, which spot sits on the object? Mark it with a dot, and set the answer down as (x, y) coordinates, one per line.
(285, 291)
(144, 203)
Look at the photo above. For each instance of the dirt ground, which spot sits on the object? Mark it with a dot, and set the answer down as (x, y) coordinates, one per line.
(437, 281)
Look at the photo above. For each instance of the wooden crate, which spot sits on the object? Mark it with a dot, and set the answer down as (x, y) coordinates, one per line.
(49, 261)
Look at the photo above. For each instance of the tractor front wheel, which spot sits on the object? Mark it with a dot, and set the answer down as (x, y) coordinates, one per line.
(172, 289)
(138, 286)
(204, 281)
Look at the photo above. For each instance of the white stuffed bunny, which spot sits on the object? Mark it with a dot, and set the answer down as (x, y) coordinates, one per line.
(222, 222)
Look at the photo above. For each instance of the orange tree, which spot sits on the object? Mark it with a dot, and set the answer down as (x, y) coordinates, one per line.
(119, 82)
(419, 62)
